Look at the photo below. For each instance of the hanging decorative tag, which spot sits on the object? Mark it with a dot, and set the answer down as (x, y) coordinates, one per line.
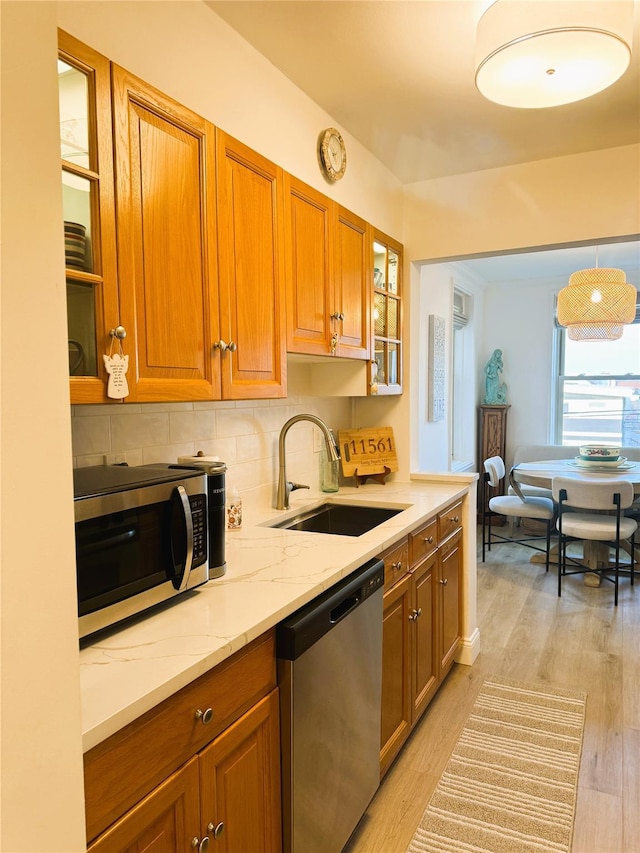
(117, 366)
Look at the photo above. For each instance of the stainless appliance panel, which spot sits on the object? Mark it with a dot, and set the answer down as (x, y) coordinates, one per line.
(330, 710)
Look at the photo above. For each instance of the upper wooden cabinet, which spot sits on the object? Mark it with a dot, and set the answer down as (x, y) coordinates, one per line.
(165, 200)
(328, 294)
(86, 151)
(352, 284)
(251, 272)
(387, 314)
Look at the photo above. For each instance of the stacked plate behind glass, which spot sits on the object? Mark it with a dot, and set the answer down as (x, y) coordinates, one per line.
(74, 245)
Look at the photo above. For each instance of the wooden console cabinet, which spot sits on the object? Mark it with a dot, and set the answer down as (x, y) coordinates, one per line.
(421, 624)
(492, 440)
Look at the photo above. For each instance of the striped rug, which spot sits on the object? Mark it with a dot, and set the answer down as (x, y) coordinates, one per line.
(510, 783)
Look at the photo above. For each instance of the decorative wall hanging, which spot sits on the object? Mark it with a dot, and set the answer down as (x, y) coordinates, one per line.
(436, 367)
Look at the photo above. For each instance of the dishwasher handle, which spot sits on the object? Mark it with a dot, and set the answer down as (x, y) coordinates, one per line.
(306, 626)
(344, 608)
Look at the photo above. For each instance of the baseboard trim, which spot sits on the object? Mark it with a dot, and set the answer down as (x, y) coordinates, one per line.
(469, 649)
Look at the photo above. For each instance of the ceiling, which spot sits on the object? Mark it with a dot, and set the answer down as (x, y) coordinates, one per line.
(398, 75)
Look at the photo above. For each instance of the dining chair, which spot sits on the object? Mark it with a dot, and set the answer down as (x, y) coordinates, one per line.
(515, 506)
(593, 511)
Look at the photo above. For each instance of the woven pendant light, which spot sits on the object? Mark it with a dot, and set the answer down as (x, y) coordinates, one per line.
(596, 304)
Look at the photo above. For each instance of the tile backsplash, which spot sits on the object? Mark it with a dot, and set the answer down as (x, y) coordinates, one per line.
(243, 434)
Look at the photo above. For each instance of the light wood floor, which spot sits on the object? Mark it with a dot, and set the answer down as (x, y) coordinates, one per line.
(527, 633)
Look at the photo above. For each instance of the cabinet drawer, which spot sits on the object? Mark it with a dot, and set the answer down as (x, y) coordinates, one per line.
(129, 764)
(396, 563)
(423, 541)
(449, 521)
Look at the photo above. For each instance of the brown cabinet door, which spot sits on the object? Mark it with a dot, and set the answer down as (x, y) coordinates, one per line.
(308, 248)
(450, 565)
(165, 201)
(424, 675)
(88, 199)
(352, 285)
(396, 676)
(240, 783)
(163, 822)
(251, 270)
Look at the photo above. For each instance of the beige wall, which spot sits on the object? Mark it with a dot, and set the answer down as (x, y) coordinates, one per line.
(549, 202)
(41, 769)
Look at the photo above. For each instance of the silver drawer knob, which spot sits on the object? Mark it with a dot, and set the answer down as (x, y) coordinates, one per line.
(397, 566)
(455, 519)
(444, 581)
(428, 540)
(216, 829)
(223, 345)
(205, 717)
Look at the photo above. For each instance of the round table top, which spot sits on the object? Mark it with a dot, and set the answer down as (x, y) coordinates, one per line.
(542, 473)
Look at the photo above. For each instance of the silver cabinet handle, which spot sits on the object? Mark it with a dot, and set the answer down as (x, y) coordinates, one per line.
(223, 345)
(428, 540)
(200, 845)
(337, 315)
(119, 332)
(397, 566)
(454, 518)
(205, 716)
(216, 829)
(444, 581)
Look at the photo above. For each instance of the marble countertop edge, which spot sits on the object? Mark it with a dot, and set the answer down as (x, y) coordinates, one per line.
(270, 574)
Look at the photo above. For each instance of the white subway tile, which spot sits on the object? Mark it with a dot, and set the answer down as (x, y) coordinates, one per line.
(90, 435)
(192, 426)
(139, 431)
(231, 422)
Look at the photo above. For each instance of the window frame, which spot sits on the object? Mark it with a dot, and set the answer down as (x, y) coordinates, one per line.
(559, 378)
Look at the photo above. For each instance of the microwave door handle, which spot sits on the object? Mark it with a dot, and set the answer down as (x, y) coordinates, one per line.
(183, 500)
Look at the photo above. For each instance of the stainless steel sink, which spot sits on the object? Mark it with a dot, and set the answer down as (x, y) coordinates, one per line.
(339, 519)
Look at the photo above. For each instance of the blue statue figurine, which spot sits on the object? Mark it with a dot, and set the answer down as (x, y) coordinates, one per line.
(495, 391)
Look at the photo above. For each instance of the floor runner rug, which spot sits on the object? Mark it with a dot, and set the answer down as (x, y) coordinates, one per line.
(510, 784)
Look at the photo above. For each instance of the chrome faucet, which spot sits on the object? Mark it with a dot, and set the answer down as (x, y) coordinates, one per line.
(284, 486)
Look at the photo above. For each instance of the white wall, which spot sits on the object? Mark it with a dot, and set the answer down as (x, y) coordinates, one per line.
(519, 320)
(41, 770)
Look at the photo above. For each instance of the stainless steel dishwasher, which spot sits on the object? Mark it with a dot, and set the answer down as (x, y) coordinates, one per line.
(330, 676)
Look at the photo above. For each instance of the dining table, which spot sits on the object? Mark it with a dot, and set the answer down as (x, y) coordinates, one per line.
(541, 473)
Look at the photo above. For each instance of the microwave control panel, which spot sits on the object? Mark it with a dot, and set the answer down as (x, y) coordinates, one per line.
(199, 519)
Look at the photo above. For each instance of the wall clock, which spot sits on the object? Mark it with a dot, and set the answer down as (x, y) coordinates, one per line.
(333, 154)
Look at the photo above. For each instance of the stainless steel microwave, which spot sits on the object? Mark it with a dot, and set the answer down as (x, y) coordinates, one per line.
(141, 539)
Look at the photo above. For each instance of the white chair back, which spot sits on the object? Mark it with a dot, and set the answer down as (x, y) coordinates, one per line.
(494, 467)
(592, 494)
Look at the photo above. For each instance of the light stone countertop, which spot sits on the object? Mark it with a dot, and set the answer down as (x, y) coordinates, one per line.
(270, 574)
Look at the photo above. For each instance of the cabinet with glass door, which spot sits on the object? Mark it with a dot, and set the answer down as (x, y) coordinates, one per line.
(387, 316)
(89, 214)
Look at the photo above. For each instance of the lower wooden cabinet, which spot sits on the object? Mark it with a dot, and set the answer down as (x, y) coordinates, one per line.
(230, 793)
(203, 766)
(421, 625)
(164, 822)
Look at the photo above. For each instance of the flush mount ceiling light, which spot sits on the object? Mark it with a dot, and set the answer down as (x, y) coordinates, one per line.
(540, 53)
(596, 304)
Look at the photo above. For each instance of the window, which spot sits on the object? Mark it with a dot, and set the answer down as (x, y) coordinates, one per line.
(598, 389)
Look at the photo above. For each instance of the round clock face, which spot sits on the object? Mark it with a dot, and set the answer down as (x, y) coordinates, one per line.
(333, 154)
